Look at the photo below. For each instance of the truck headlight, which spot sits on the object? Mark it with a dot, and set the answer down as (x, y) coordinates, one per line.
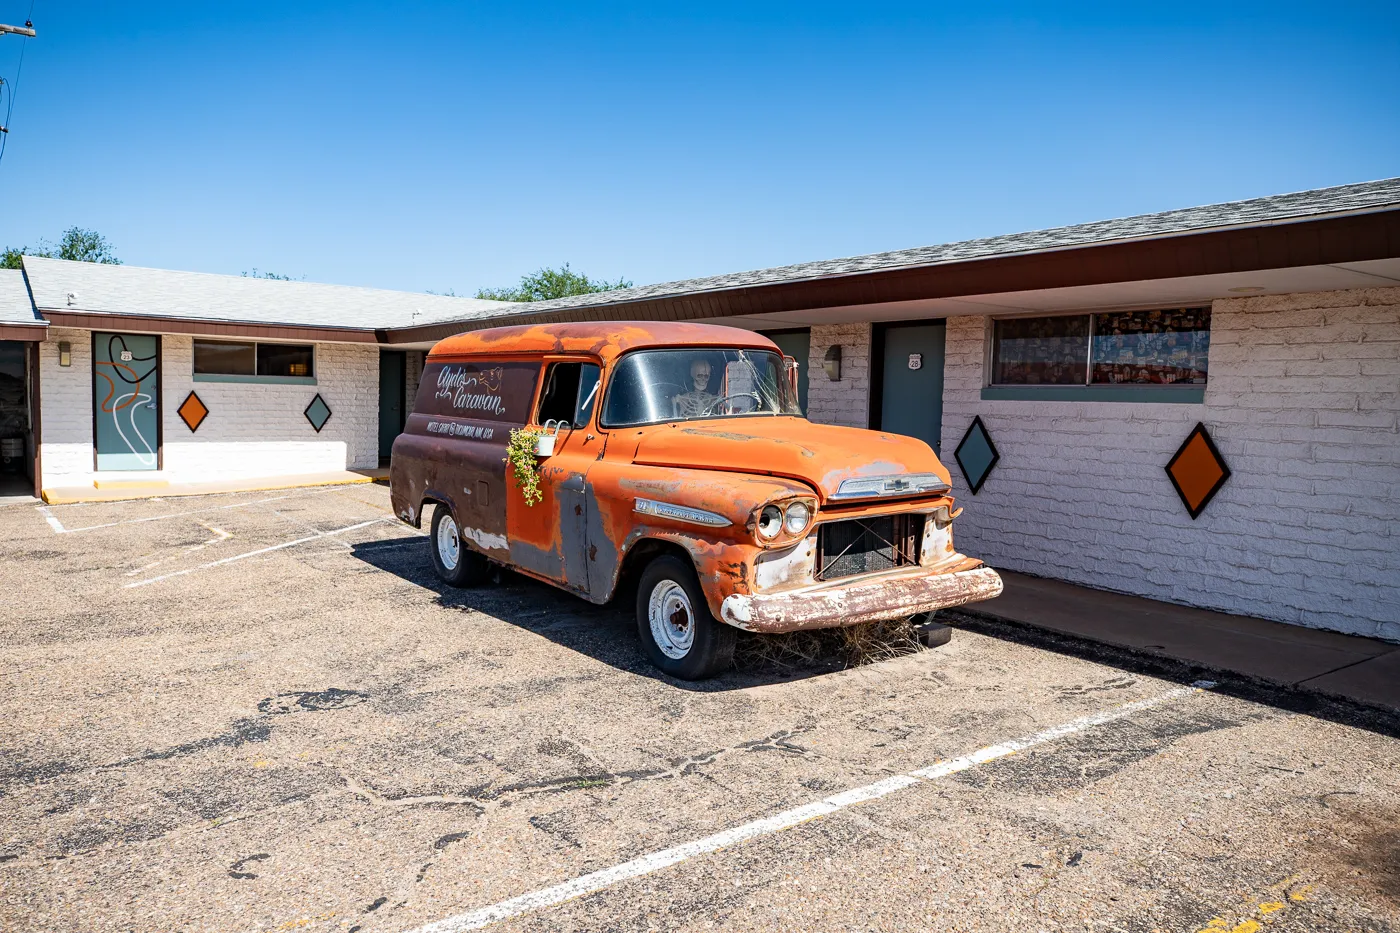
(797, 517)
(770, 522)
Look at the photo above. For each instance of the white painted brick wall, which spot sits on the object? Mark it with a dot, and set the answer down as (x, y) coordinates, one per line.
(1303, 401)
(65, 409)
(260, 430)
(253, 430)
(847, 401)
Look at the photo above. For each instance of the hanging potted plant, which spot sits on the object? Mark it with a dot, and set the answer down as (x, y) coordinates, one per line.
(526, 446)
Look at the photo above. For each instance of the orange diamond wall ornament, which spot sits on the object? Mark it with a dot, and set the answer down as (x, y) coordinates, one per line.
(1197, 471)
(193, 412)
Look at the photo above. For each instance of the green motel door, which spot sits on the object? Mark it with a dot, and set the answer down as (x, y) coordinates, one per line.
(126, 401)
(911, 387)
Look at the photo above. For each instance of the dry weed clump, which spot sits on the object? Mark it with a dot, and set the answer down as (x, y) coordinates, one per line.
(849, 646)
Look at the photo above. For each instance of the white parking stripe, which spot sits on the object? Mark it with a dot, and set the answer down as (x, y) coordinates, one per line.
(58, 527)
(598, 880)
(276, 547)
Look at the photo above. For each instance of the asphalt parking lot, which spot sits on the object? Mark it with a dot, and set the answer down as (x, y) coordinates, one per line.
(262, 712)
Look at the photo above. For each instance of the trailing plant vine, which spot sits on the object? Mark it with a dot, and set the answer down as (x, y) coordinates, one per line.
(520, 454)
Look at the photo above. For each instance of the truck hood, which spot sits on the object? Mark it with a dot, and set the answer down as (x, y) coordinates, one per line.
(821, 455)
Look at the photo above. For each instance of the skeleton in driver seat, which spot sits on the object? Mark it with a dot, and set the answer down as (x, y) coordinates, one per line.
(700, 400)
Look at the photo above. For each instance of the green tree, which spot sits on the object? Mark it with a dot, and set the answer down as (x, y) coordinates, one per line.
(551, 283)
(76, 244)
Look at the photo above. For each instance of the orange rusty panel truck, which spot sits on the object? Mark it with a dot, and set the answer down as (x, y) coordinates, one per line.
(673, 457)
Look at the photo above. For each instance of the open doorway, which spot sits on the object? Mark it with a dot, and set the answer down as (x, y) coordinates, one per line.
(392, 372)
(16, 429)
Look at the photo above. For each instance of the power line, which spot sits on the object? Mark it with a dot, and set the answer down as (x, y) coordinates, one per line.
(27, 31)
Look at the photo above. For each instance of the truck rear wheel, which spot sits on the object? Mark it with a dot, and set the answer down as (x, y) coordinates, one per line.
(454, 563)
(677, 631)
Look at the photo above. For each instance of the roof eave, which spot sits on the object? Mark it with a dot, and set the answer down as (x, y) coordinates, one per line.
(1333, 237)
(147, 323)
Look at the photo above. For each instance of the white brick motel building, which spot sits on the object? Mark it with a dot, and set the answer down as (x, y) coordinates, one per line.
(1057, 372)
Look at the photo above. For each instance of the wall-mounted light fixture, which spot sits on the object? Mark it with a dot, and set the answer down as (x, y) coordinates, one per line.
(65, 353)
(832, 363)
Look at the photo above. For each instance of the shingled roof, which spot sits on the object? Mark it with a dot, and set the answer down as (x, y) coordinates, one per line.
(1320, 202)
(15, 306)
(93, 288)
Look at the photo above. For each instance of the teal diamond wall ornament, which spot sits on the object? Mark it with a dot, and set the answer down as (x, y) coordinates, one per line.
(976, 455)
(318, 413)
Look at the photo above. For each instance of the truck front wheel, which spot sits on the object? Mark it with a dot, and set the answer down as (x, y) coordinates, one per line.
(678, 632)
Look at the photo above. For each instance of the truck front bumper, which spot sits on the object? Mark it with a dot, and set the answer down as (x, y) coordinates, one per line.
(830, 605)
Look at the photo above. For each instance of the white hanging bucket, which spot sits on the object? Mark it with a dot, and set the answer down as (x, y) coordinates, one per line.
(545, 443)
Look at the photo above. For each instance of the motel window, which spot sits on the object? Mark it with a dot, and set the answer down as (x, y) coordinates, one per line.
(1126, 348)
(220, 359)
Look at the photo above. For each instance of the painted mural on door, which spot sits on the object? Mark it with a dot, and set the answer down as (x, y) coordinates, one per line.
(126, 401)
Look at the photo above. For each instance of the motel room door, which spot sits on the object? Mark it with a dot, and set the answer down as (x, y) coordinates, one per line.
(911, 381)
(126, 401)
(392, 366)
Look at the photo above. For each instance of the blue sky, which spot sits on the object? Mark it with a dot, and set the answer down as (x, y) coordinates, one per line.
(436, 146)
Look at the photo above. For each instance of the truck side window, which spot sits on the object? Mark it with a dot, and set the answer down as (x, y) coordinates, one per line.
(570, 391)
(587, 394)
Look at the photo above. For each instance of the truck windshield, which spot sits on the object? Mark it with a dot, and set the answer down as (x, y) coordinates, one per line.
(649, 386)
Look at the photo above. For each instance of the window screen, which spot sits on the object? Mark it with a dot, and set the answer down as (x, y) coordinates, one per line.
(1151, 347)
(1158, 347)
(225, 358)
(278, 359)
(1041, 351)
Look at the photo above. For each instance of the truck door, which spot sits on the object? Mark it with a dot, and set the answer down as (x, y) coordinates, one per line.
(550, 538)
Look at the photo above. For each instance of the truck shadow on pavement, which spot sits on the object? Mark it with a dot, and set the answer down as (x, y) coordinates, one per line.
(1284, 698)
(605, 633)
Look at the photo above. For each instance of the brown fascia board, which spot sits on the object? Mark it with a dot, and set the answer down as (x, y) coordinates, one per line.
(1276, 245)
(166, 325)
(27, 332)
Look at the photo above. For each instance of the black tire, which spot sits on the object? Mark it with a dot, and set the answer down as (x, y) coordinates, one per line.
(459, 566)
(697, 645)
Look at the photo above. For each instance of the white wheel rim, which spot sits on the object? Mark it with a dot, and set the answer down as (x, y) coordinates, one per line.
(449, 545)
(672, 619)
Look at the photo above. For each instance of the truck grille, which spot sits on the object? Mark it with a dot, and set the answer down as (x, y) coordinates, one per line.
(868, 545)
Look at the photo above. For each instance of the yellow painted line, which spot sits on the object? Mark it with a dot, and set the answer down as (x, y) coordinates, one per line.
(131, 483)
(1263, 912)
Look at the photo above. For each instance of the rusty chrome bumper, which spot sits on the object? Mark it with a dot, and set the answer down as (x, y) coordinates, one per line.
(834, 605)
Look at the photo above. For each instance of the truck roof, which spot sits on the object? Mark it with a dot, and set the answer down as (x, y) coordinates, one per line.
(604, 339)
